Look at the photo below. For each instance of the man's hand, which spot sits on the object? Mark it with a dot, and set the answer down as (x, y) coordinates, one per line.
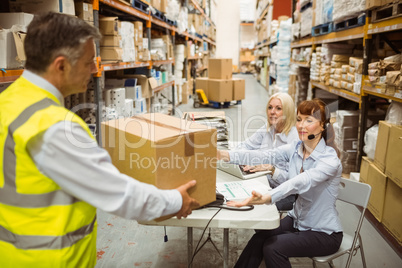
(188, 202)
(255, 199)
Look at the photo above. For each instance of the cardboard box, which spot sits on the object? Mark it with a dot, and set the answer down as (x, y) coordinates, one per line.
(12, 54)
(220, 90)
(392, 216)
(111, 41)
(394, 156)
(156, 4)
(84, 10)
(202, 83)
(373, 3)
(220, 68)
(7, 20)
(239, 89)
(147, 84)
(109, 25)
(364, 169)
(382, 144)
(111, 53)
(164, 151)
(41, 6)
(378, 182)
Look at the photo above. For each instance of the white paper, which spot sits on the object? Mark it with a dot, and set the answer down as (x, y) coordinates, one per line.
(240, 190)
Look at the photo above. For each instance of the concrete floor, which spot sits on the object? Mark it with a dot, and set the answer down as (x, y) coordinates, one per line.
(125, 243)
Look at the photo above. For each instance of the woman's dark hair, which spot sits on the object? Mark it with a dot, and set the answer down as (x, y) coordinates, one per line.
(51, 35)
(318, 109)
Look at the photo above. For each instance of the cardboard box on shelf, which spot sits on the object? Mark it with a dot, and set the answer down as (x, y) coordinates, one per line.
(12, 54)
(84, 10)
(109, 26)
(373, 3)
(392, 216)
(111, 53)
(164, 151)
(394, 157)
(220, 90)
(382, 145)
(202, 83)
(7, 20)
(39, 6)
(220, 68)
(111, 41)
(239, 89)
(378, 183)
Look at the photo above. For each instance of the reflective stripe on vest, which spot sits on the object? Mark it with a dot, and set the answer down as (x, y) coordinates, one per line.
(46, 242)
(9, 194)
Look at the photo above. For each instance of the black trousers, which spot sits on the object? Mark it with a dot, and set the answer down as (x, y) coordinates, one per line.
(286, 203)
(278, 245)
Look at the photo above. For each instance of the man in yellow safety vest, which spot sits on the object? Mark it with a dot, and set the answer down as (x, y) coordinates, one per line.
(50, 184)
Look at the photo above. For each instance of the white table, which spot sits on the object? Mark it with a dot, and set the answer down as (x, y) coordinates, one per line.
(261, 217)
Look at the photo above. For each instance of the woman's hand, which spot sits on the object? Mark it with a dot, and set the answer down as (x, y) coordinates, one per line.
(263, 167)
(255, 199)
(223, 155)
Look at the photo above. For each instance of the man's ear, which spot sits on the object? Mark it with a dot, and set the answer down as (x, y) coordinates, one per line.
(60, 64)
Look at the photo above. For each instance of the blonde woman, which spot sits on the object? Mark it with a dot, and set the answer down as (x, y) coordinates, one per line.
(279, 130)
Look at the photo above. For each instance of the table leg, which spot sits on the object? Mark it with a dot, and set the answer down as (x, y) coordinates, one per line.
(189, 246)
(225, 247)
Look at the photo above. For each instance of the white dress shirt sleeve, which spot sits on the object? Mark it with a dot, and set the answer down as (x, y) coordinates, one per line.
(83, 169)
(324, 170)
(254, 142)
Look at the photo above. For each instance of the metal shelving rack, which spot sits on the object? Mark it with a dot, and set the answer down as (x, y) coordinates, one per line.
(366, 34)
(8, 76)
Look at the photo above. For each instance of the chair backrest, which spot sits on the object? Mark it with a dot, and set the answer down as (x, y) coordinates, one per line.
(354, 192)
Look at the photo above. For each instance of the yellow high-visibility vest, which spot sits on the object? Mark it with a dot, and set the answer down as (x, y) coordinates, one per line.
(40, 224)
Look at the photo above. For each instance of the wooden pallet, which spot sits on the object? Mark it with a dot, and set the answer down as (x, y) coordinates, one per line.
(159, 15)
(322, 29)
(141, 6)
(349, 23)
(389, 11)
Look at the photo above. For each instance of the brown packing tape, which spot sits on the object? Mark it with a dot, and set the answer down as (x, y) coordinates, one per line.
(19, 38)
(189, 137)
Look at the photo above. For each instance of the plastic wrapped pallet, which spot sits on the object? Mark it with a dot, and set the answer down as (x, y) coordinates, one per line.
(346, 9)
(306, 22)
(323, 11)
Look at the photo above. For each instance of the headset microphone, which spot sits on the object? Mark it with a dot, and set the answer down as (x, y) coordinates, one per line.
(312, 136)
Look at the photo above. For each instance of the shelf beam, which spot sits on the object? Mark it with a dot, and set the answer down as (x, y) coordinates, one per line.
(377, 92)
(8, 76)
(126, 9)
(162, 87)
(337, 91)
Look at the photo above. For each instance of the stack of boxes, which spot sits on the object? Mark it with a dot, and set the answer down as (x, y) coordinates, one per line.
(384, 174)
(84, 11)
(346, 137)
(315, 64)
(338, 75)
(141, 43)
(220, 86)
(122, 40)
(356, 69)
(111, 45)
(386, 74)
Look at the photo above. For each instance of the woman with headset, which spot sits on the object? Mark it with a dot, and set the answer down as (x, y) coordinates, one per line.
(313, 227)
(279, 130)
